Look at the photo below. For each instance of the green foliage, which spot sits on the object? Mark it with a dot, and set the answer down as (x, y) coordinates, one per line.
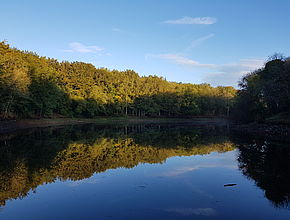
(265, 92)
(34, 86)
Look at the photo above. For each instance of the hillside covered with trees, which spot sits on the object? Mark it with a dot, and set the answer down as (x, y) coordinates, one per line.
(36, 87)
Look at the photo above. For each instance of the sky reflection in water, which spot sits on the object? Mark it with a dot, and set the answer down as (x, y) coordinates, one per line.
(160, 182)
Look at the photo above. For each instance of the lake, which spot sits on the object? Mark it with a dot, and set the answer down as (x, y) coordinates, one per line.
(142, 172)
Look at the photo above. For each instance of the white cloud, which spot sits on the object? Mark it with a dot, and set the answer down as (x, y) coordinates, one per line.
(81, 48)
(190, 20)
(219, 74)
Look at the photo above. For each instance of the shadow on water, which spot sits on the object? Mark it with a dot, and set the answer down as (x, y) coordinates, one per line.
(73, 153)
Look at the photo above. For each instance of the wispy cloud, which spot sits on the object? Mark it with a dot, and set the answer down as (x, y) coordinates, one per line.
(219, 74)
(81, 48)
(117, 30)
(199, 41)
(179, 59)
(230, 74)
(182, 170)
(191, 20)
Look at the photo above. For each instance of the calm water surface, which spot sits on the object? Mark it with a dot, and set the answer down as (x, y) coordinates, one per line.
(142, 172)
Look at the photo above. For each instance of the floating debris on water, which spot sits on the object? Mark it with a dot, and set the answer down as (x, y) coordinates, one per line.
(231, 184)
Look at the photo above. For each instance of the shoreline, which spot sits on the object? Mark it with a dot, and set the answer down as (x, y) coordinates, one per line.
(16, 125)
(271, 131)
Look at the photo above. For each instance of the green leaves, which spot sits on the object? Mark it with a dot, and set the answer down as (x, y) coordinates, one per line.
(34, 86)
(264, 92)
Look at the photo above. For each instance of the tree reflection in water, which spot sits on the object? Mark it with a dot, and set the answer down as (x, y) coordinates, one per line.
(268, 164)
(42, 156)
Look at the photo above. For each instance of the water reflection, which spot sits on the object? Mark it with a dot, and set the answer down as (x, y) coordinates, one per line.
(74, 153)
(81, 163)
(268, 164)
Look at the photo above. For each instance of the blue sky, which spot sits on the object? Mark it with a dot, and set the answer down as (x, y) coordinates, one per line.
(191, 41)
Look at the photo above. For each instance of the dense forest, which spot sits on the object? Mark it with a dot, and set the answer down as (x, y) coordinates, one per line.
(35, 87)
(38, 87)
(265, 92)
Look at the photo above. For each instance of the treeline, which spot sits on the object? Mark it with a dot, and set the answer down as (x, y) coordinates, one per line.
(34, 86)
(264, 92)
